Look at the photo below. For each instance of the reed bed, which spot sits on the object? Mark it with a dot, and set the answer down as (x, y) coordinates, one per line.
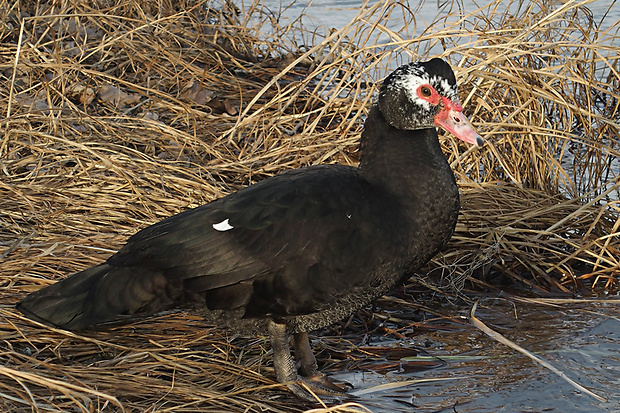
(118, 114)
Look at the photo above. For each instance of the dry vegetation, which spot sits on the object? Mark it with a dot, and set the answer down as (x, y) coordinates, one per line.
(117, 114)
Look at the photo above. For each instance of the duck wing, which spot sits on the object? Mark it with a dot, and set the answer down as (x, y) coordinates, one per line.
(289, 245)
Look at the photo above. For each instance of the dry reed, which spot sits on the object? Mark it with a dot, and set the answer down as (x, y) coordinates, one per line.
(118, 114)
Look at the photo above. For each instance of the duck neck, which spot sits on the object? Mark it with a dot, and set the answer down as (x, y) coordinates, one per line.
(410, 167)
(405, 162)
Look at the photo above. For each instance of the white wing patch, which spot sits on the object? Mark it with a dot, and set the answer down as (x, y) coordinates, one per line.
(222, 226)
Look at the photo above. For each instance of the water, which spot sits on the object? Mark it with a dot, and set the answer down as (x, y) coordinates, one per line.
(338, 13)
(326, 15)
(582, 340)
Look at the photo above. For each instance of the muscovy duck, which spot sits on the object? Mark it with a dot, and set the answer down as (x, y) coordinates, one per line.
(300, 250)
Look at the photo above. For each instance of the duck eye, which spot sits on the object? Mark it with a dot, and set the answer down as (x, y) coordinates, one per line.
(426, 91)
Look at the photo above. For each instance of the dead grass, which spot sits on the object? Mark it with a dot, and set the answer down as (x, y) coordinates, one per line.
(119, 114)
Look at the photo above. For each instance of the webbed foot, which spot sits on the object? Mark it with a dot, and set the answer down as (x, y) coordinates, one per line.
(312, 383)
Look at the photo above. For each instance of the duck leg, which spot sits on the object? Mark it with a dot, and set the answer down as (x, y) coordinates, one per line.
(304, 388)
(309, 368)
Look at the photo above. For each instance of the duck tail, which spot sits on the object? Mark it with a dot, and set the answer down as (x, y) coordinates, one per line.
(97, 295)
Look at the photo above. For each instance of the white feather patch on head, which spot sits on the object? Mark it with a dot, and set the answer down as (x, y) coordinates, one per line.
(222, 226)
(412, 77)
(445, 88)
(410, 84)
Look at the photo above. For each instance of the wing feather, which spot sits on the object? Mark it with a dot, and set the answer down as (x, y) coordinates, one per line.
(293, 242)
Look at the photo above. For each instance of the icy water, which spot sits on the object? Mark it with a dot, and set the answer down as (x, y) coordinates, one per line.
(475, 372)
(325, 15)
(338, 13)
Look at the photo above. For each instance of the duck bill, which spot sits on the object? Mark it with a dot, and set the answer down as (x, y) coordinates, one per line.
(451, 119)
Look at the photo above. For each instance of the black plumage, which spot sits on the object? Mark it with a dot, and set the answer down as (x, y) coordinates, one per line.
(297, 251)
